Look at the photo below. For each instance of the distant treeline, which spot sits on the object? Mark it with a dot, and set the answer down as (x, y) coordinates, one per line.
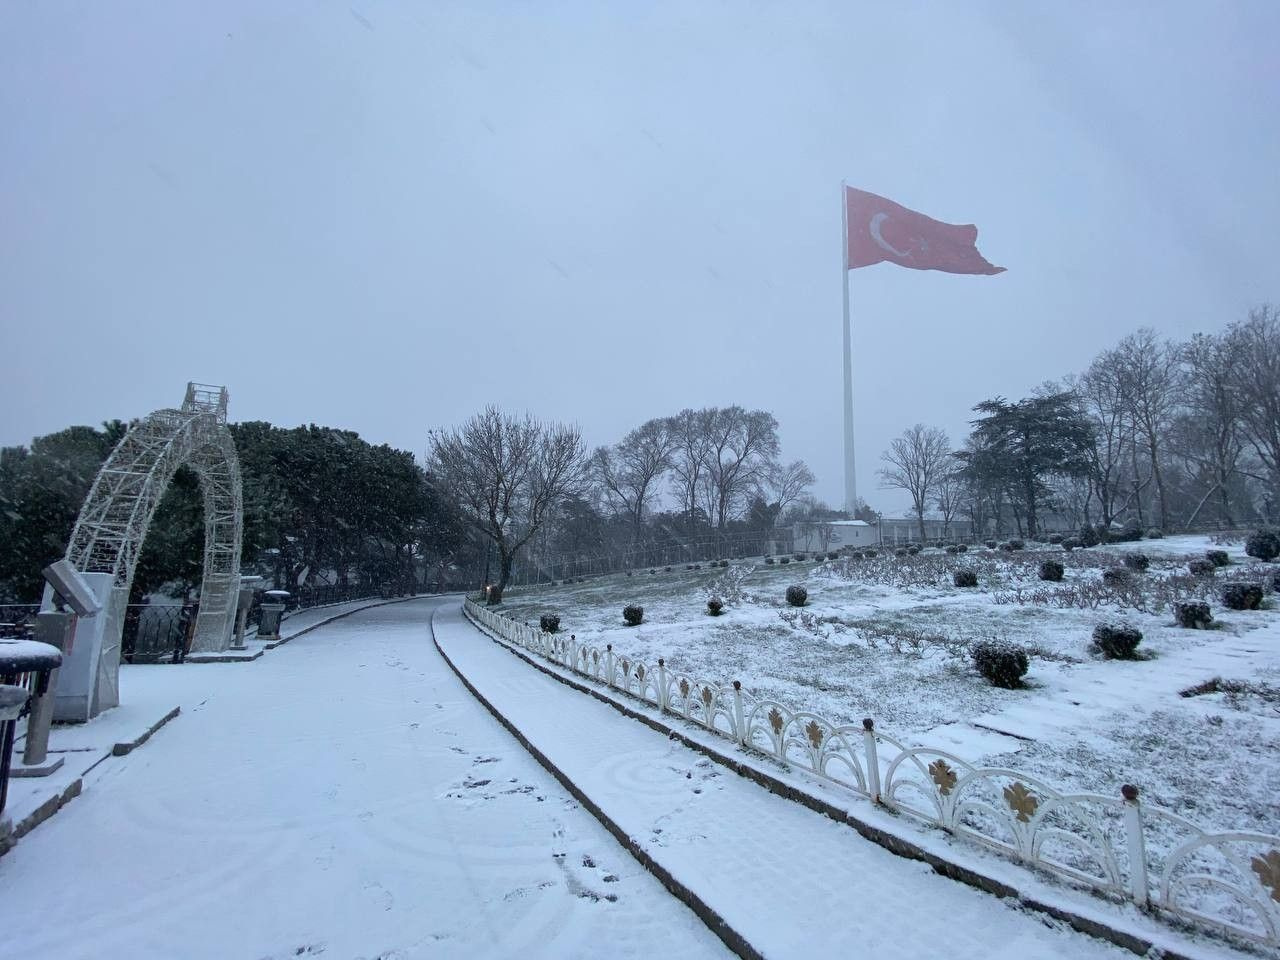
(320, 506)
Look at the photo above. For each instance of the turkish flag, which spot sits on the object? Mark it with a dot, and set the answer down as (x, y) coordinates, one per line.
(880, 230)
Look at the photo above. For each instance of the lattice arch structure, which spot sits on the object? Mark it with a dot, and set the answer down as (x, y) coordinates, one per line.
(113, 522)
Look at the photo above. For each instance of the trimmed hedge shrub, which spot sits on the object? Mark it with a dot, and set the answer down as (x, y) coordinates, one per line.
(1241, 595)
(962, 547)
(1003, 664)
(785, 560)
(1051, 570)
(797, 595)
(1055, 538)
(798, 557)
(1193, 614)
(715, 606)
(1263, 544)
(1155, 533)
(549, 623)
(1131, 531)
(913, 550)
(1201, 568)
(1089, 536)
(989, 544)
(1017, 544)
(900, 552)
(952, 549)
(833, 556)
(1218, 558)
(1070, 543)
(1138, 562)
(869, 554)
(1117, 577)
(965, 577)
(1117, 641)
(1007, 547)
(632, 614)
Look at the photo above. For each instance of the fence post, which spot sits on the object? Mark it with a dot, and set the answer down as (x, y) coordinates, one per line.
(873, 760)
(608, 676)
(1137, 845)
(573, 651)
(662, 685)
(738, 723)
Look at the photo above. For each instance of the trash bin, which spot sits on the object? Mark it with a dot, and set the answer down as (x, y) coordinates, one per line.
(272, 610)
(25, 666)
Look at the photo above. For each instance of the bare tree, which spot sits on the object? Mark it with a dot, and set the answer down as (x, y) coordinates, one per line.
(948, 492)
(629, 471)
(1100, 396)
(914, 462)
(787, 484)
(1149, 380)
(740, 454)
(1208, 431)
(690, 431)
(508, 475)
(1255, 345)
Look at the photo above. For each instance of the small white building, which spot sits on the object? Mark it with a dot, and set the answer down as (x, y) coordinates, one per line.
(830, 535)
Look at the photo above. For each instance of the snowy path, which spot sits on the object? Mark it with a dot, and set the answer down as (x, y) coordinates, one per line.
(346, 796)
(792, 882)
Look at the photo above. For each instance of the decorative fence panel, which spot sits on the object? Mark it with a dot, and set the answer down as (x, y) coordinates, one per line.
(1115, 845)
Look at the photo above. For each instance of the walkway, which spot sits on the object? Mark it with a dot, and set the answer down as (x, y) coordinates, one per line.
(343, 795)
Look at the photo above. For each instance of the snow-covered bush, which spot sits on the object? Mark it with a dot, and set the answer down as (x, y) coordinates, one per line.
(1155, 533)
(1201, 568)
(1116, 641)
(1241, 595)
(1017, 545)
(1138, 562)
(900, 552)
(869, 554)
(632, 614)
(833, 556)
(769, 561)
(1117, 577)
(964, 577)
(549, 622)
(913, 550)
(1070, 543)
(1131, 531)
(1051, 570)
(1089, 536)
(1003, 664)
(1055, 538)
(952, 548)
(1218, 558)
(797, 595)
(989, 544)
(1193, 614)
(785, 560)
(715, 606)
(1263, 544)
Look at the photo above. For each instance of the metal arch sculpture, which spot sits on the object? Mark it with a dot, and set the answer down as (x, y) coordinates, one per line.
(113, 522)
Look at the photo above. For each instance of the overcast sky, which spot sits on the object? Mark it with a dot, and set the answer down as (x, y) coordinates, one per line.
(383, 216)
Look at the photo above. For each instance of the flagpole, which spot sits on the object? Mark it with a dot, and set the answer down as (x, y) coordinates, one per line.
(850, 480)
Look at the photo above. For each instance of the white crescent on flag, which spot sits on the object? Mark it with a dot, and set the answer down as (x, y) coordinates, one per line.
(881, 242)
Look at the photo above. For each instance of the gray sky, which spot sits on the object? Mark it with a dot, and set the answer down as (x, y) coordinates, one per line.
(384, 216)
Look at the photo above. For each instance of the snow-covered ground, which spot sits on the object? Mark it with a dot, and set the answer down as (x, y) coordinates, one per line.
(343, 796)
(887, 638)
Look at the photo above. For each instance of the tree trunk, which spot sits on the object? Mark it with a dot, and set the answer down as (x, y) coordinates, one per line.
(920, 521)
(504, 574)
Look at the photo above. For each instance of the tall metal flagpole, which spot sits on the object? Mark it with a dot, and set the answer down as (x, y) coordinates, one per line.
(850, 480)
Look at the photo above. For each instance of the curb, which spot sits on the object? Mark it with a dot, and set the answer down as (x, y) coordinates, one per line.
(713, 921)
(897, 845)
(126, 748)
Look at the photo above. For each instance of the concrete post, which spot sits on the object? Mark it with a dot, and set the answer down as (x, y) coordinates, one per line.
(56, 628)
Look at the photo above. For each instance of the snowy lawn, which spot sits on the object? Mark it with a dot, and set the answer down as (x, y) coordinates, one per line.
(889, 637)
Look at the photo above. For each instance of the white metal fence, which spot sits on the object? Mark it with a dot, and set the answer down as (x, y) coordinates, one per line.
(1116, 845)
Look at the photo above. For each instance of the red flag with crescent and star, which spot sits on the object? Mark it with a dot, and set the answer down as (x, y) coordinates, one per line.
(880, 230)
